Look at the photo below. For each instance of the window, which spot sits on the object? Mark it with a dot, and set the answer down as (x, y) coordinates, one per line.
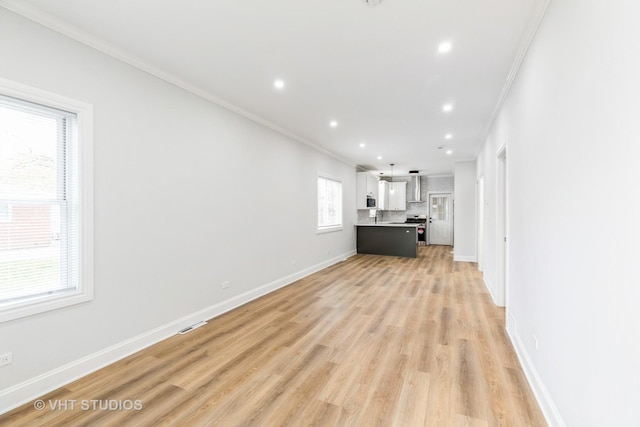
(5, 212)
(45, 206)
(440, 208)
(329, 204)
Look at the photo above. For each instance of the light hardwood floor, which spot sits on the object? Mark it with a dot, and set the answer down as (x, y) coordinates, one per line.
(373, 341)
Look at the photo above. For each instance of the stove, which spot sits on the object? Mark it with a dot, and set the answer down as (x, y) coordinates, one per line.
(416, 220)
(422, 227)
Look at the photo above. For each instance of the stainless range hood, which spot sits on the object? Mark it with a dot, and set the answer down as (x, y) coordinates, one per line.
(414, 188)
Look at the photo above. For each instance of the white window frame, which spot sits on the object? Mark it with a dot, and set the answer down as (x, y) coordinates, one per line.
(7, 216)
(84, 149)
(330, 228)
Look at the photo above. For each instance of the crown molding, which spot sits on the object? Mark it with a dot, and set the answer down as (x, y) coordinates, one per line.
(37, 15)
(523, 49)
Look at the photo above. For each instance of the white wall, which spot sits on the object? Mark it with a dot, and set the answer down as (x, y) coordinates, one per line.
(571, 127)
(438, 183)
(487, 168)
(187, 195)
(464, 223)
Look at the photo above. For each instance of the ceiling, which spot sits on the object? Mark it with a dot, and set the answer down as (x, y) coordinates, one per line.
(375, 70)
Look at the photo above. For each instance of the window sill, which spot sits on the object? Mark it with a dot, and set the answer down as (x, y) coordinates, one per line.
(40, 305)
(329, 229)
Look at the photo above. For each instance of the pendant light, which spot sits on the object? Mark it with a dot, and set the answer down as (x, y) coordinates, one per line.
(391, 186)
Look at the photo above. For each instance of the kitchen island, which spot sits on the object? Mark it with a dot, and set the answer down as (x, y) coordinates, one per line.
(392, 239)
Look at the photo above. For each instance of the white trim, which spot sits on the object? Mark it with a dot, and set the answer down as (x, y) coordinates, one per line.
(328, 176)
(490, 287)
(26, 391)
(326, 230)
(464, 258)
(84, 118)
(480, 222)
(501, 209)
(523, 48)
(549, 409)
(42, 18)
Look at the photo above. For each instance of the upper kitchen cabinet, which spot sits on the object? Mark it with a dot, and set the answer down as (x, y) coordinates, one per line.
(392, 196)
(383, 195)
(397, 196)
(366, 191)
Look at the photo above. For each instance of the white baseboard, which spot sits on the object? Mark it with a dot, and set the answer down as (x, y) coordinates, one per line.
(26, 391)
(491, 288)
(464, 258)
(551, 413)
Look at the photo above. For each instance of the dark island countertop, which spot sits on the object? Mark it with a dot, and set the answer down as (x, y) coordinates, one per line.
(392, 239)
(387, 224)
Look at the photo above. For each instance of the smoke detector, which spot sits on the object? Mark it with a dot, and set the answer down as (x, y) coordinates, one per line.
(372, 2)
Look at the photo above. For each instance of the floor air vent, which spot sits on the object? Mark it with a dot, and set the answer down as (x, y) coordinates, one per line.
(192, 327)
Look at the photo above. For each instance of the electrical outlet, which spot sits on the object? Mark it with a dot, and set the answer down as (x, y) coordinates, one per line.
(225, 284)
(6, 358)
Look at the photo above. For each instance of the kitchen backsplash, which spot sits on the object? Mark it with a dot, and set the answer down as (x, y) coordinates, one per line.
(383, 216)
(427, 185)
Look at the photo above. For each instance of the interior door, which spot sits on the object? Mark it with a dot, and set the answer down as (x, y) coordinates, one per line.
(440, 219)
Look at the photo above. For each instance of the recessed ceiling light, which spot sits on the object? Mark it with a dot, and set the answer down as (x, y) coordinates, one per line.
(444, 47)
(447, 107)
(449, 151)
(333, 123)
(379, 157)
(279, 84)
(362, 145)
(448, 136)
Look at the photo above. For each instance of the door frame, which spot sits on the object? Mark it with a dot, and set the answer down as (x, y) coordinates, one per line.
(429, 194)
(501, 227)
(480, 218)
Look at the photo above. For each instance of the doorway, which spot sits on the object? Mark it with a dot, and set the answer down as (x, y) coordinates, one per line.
(480, 225)
(440, 219)
(501, 226)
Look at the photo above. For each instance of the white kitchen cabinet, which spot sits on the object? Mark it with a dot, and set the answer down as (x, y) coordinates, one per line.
(397, 196)
(372, 186)
(392, 196)
(366, 187)
(383, 195)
